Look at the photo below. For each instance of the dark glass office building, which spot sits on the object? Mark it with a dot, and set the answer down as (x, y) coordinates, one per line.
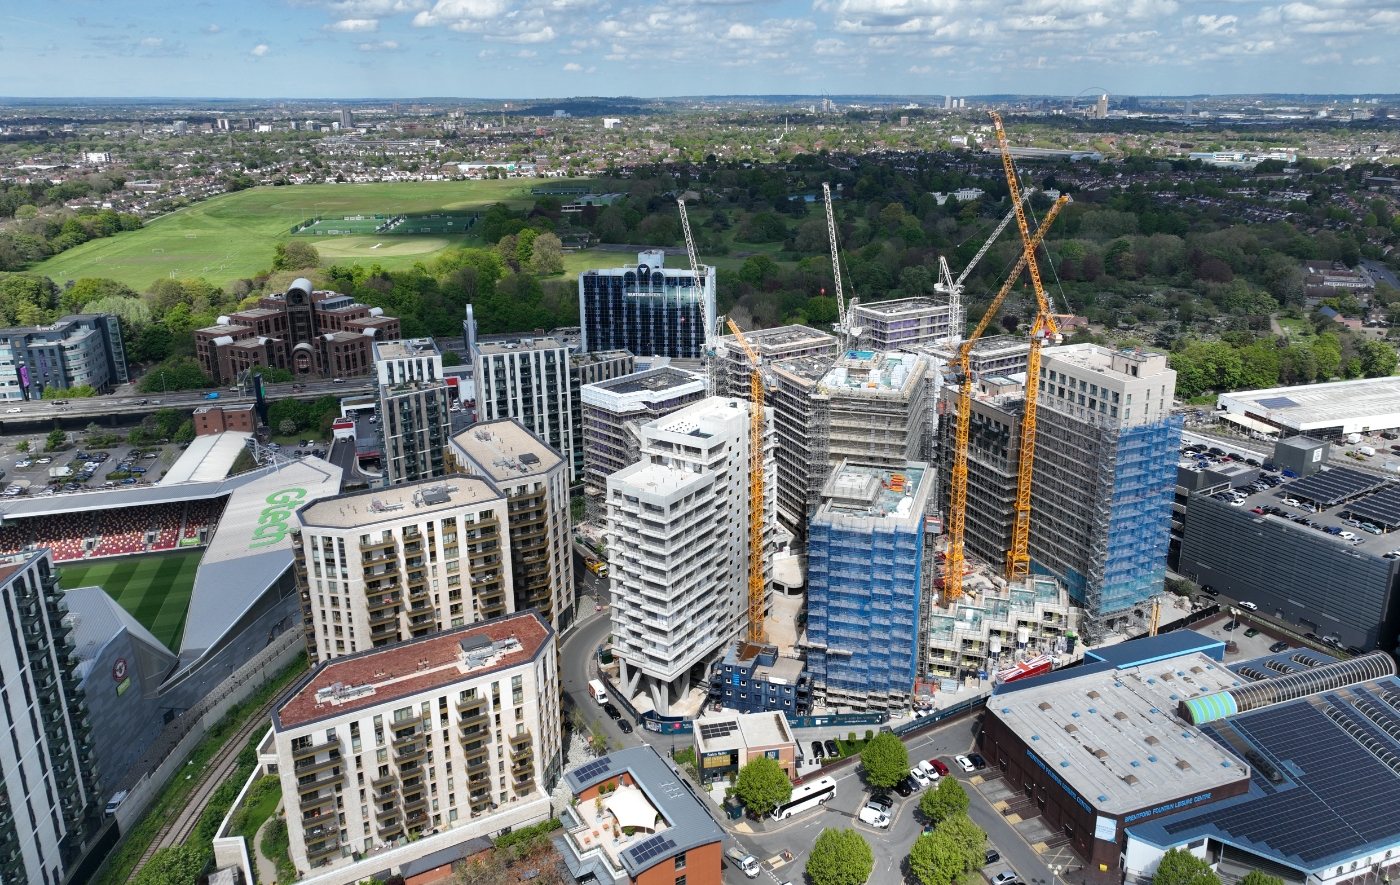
(646, 309)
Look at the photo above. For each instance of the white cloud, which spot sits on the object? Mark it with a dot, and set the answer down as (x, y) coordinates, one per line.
(456, 12)
(380, 46)
(260, 50)
(152, 42)
(925, 69)
(1216, 24)
(211, 29)
(354, 26)
(573, 67)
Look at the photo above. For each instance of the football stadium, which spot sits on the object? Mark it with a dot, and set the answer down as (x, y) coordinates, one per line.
(172, 586)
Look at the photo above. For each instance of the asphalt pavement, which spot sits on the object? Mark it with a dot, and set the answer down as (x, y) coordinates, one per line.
(1380, 272)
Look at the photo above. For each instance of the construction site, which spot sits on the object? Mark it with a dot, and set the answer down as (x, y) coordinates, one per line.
(960, 509)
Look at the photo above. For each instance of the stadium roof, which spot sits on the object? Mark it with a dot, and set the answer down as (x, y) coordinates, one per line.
(251, 548)
(208, 459)
(126, 496)
(1324, 787)
(98, 619)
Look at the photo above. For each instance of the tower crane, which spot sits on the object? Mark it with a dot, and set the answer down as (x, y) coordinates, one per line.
(697, 272)
(946, 285)
(845, 331)
(957, 505)
(1018, 559)
(755, 488)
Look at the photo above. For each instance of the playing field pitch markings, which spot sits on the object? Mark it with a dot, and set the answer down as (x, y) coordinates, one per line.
(155, 588)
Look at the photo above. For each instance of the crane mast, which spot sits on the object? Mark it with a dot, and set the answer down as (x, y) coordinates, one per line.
(954, 288)
(1018, 559)
(957, 503)
(755, 489)
(845, 329)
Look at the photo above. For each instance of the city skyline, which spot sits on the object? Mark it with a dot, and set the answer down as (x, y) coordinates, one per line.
(521, 48)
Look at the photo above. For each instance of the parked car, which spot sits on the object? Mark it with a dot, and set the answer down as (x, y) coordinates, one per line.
(993, 855)
(1230, 625)
(919, 777)
(965, 763)
(1251, 632)
(930, 773)
(881, 800)
(977, 762)
(817, 751)
(1279, 646)
(939, 766)
(612, 711)
(1006, 878)
(832, 749)
(874, 816)
(625, 726)
(1244, 603)
(906, 786)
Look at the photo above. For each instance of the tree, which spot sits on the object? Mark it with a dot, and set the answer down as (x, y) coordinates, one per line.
(451, 358)
(1378, 359)
(1181, 867)
(178, 864)
(547, 255)
(969, 838)
(22, 446)
(294, 255)
(763, 785)
(886, 760)
(185, 434)
(1254, 877)
(840, 857)
(55, 440)
(946, 800)
(286, 427)
(935, 859)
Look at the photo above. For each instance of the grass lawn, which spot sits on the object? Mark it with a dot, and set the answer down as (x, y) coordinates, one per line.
(154, 588)
(232, 236)
(1296, 328)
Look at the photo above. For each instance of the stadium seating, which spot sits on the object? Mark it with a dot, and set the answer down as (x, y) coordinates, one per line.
(167, 524)
(123, 530)
(118, 531)
(65, 533)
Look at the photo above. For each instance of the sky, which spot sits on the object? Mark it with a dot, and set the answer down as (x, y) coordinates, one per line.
(649, 48)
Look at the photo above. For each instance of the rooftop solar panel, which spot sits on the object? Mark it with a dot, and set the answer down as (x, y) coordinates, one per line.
(592, 769)
(1343, 784)
(715, 730)
(1277, 402)
(1382, 508)
(1331, 487)
(645, 851)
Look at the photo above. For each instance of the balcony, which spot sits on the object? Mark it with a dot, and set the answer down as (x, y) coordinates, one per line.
(412, 805)
(390, 828)
(474, 724)
(471, 706)
(384, 782)
(375, 545)
(480, 801)
(382, 619)
(323, 850)
(477, 770)
(519, 742)
(309, 764)
(386, 556)
(318, 801)
(385, 813)
(415, 750)
(309, 786)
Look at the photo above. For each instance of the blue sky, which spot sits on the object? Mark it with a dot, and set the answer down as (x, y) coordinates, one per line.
(526, 48)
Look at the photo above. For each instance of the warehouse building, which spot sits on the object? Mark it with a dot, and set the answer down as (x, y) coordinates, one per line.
(1322, 411)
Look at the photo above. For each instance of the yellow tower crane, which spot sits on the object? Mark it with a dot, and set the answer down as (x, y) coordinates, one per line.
(1018, 558)
(755, 489)
(957, 503)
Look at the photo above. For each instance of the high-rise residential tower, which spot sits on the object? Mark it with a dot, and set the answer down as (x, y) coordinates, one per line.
(646, 308)
(414, 421)
(527, 379)
(679, 545)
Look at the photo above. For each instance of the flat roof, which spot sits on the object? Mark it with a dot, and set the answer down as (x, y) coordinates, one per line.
(902, 306)
(370, 507)
(982, 346)
(208, 459)
(731, 731)
(1330, 788)
(689, 823)
(872, 490)
(806, 369)
(1352, 406)
(504, 450)
(1112, 734)
(518, 344)
(861, 372)
(658, 479)
(405, 348)
(650, 381)
(381, 675)
(781, 335)
(127, 496)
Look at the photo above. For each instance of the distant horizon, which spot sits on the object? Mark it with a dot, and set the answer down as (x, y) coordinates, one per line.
(515, 49)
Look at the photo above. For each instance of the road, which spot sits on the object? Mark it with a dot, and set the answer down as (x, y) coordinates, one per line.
(1380, 272)
(891, 847)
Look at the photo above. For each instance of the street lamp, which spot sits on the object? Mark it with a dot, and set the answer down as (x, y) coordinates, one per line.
(162, 384)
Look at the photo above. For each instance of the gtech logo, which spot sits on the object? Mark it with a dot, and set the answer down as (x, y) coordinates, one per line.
(272, 522)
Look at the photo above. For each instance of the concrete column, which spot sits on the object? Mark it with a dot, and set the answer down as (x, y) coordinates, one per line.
(660, 693)
(684, 686)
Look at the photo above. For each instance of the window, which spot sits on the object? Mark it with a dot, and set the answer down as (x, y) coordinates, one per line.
(680, 861)
(680, 880)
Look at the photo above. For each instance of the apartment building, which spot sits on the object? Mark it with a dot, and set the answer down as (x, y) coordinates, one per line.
(76, 350)
(414, 420)
(612, 412)
(800, 420)
(51, 800)
(994, 624)
(679, 541)
(865, 562)
(458, 732)
(586, 369)
(534, 480)
(731, 364)
(875, 408)
(1004, 355)
(1105, 475)
(527, 379)
(646, 308)
(905, 323)
(993, 464)
(381, 566)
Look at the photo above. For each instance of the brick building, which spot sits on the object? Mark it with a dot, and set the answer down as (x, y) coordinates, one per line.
(217, 419)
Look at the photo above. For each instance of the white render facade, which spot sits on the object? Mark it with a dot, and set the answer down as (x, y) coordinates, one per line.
(381, 566)
(678, 530)
(457, 731)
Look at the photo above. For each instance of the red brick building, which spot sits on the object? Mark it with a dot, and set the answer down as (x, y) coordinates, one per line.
(217, 419)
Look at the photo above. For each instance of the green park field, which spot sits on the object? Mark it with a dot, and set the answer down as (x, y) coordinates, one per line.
(232, 236)
(154, 588)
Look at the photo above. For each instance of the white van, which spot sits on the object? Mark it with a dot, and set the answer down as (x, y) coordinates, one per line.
(599, 692)
(875, 816)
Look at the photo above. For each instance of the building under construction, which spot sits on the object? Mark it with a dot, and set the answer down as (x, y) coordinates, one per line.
(731, 365)
(802, 437)
(993, 457)
(998, 355)
(904, 323)
(875, 408)
(614, 410)
(995, 624)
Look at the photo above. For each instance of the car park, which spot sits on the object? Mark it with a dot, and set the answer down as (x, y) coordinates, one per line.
(965, 763)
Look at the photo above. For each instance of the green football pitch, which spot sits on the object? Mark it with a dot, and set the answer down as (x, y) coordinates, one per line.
(154, 588)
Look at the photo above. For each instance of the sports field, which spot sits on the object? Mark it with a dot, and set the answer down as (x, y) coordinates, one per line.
(232, 236)
(339, 225)
(154, 588)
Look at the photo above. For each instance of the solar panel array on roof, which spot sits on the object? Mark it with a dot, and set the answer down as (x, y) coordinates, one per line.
(714, 730)
(1382, 508)
(645, 851)
(592, 770)
(1343, 785)
(1277, 402)
(1331, 487)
